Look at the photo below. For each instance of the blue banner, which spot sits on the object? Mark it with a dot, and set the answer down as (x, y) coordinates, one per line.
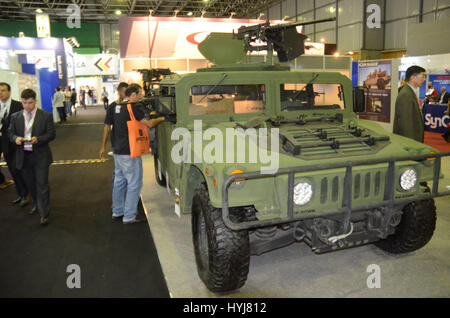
(440, 81)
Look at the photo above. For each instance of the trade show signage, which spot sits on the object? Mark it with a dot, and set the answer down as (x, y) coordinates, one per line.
(170, 37)
(95, 64)
(376, 76)
(28, 44)
(440, 81)
(42, 25)
(435, 118)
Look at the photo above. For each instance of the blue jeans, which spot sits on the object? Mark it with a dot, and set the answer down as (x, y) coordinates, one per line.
(127, 186)
(68, 108)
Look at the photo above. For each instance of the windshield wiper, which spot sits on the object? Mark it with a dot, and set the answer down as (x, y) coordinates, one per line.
(304, 119)
(224, 76)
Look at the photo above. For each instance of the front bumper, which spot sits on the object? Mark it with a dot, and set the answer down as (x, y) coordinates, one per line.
(346, 210)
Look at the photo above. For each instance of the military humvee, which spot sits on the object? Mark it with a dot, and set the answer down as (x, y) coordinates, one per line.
(300, 165)
(378, 79)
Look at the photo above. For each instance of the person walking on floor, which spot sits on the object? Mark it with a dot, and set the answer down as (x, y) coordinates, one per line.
(8, 107)
(58, 102)
(107, 129)
(105, 98)
(83, 97)
(128, 171)
(32, 130)
(73, 101)
(68, 103)
(90, 95)
(408, 120)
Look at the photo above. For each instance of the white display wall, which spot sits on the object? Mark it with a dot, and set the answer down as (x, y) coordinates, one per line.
(399, 14)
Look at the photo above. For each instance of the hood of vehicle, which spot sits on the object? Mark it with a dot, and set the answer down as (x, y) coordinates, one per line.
(300, 144)
(320, 141)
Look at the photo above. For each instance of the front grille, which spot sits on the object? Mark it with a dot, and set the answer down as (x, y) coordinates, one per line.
(329, 190)
(365, 185)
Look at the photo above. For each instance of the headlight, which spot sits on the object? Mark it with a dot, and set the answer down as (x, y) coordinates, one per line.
(408, 179)
(302, 193)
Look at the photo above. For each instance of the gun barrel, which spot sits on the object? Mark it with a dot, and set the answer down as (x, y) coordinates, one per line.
(288, 25)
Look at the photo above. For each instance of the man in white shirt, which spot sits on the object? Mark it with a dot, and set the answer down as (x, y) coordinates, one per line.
(58, 102)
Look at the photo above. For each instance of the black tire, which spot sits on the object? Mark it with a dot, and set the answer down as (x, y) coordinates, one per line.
(160, 180)
(415, 229)
(222, 255)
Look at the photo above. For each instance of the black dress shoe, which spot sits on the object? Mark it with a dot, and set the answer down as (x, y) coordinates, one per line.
(24, 202)
(44, 221)
(17, 200)
(33, 210)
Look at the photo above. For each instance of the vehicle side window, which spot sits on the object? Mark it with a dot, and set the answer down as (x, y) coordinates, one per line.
(167, 97)
(301, 96)
(226, 99)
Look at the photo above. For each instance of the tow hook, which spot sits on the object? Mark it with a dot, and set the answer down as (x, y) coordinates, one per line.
(338, 238)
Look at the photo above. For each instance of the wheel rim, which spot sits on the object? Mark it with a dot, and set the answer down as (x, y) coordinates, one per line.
(203, 248)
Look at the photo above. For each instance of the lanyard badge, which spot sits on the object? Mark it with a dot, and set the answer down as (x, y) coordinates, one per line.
(28, 128)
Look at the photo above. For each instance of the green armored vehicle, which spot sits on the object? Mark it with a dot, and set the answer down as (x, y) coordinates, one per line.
(263, 157)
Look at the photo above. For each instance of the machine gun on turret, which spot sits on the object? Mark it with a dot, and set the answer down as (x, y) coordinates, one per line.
(283, 38)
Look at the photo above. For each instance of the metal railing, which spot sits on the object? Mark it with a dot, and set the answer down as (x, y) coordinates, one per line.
(346, 210)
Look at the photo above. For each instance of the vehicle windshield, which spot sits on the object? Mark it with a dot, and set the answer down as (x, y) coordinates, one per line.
(302, 96)
(227, 99)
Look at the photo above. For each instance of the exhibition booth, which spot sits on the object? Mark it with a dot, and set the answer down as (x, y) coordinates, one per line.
(37, 63)
(96, 71)
(382, 78)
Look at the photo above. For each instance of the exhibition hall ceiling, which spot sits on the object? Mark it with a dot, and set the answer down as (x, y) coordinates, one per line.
(109, 11)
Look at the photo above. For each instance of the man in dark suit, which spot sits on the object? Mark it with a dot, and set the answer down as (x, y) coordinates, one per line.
(8, 107)
(32, 129)
(408, 120)
(443, 98)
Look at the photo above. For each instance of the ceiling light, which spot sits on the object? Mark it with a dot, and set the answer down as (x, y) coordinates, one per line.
(337, 54)
(351, 53)
(118, 12)
(322, 40)
(190, 13)
(39, 11)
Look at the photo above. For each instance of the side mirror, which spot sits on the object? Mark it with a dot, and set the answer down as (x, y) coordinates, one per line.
(359, 99)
